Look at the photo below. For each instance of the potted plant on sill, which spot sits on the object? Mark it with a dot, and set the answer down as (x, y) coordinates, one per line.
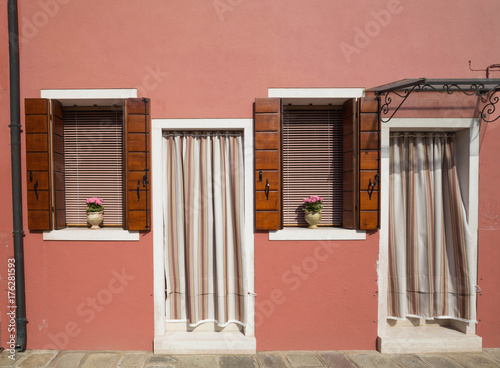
(95, 210)
(312, 209)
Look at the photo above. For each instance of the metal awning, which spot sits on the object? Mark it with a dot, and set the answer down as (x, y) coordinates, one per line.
(485, 88)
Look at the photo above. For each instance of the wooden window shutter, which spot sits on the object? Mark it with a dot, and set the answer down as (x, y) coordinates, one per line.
(350, 153)
(37, 120)
(361, 147)
(137, 164)
(267, 125)
(58, 162)
(369, 163)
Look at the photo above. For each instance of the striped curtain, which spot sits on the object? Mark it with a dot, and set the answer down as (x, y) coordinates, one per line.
(429, 242)
(203, 226)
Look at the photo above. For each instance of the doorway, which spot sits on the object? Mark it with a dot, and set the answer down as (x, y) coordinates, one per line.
(204, 299)
(417, 314)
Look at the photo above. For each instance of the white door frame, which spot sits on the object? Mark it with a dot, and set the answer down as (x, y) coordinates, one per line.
(158, 126)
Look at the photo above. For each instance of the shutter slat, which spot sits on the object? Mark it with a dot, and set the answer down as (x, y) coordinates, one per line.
(350, 174)
(59, 167)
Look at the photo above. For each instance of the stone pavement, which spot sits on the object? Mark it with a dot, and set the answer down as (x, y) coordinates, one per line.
(289, 359)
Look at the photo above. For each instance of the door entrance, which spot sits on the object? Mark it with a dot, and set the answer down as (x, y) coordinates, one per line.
(206, 251)
(428, 237)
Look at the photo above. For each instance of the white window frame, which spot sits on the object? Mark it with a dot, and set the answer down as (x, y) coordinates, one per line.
(317, 96)
(202, 342)
(467, 134)
(88, 97)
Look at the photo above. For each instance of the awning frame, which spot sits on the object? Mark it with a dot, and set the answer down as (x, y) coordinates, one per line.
(486, 89)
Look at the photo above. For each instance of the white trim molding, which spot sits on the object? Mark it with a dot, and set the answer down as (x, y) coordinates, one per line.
(104, 234)
(316, 92)
(422, 339)
(322, 233)
(204, 343)
(315, 96)
(90, 97)
(201, 342)
(77, 94)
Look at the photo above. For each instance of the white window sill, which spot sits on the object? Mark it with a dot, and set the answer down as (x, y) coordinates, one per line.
(325, 233)
(104, 234)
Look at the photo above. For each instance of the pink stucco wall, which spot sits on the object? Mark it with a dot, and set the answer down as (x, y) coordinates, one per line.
(489, 232)
(316, 295)
(210, 59)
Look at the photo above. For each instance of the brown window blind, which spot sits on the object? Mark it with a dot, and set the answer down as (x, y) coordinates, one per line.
(93, 160)
(312, 162)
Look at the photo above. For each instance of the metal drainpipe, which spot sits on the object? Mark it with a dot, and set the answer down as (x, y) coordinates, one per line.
(15, 151)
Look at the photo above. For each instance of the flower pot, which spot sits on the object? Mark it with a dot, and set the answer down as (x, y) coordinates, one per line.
(313, 219)
(94, 219)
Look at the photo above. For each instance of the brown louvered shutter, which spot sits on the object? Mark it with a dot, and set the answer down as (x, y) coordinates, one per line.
(137, 164)
(361, 164)
(349, 144)
(267, 124)
(58, 161)
(37, 120)
(369, 163)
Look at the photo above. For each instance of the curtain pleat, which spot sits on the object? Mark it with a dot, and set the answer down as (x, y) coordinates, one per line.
(429, 240)
(203, 227)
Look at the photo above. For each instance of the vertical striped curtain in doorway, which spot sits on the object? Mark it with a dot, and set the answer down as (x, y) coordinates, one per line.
(429, 242)
(203, 225)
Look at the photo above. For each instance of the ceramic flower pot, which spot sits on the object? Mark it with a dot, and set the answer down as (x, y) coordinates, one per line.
(313, 219)
(94, 219)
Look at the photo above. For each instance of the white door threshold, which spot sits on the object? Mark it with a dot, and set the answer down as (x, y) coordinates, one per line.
(204, 343)
(409, 340)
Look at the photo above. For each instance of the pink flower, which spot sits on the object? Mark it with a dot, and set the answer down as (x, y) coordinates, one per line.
(312, 199)
(313, 203)
(95, 200)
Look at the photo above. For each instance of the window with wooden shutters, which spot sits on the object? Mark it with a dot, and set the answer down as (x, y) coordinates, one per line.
(93, 160)
(88, 152)
(351, 159)
(312, 162)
